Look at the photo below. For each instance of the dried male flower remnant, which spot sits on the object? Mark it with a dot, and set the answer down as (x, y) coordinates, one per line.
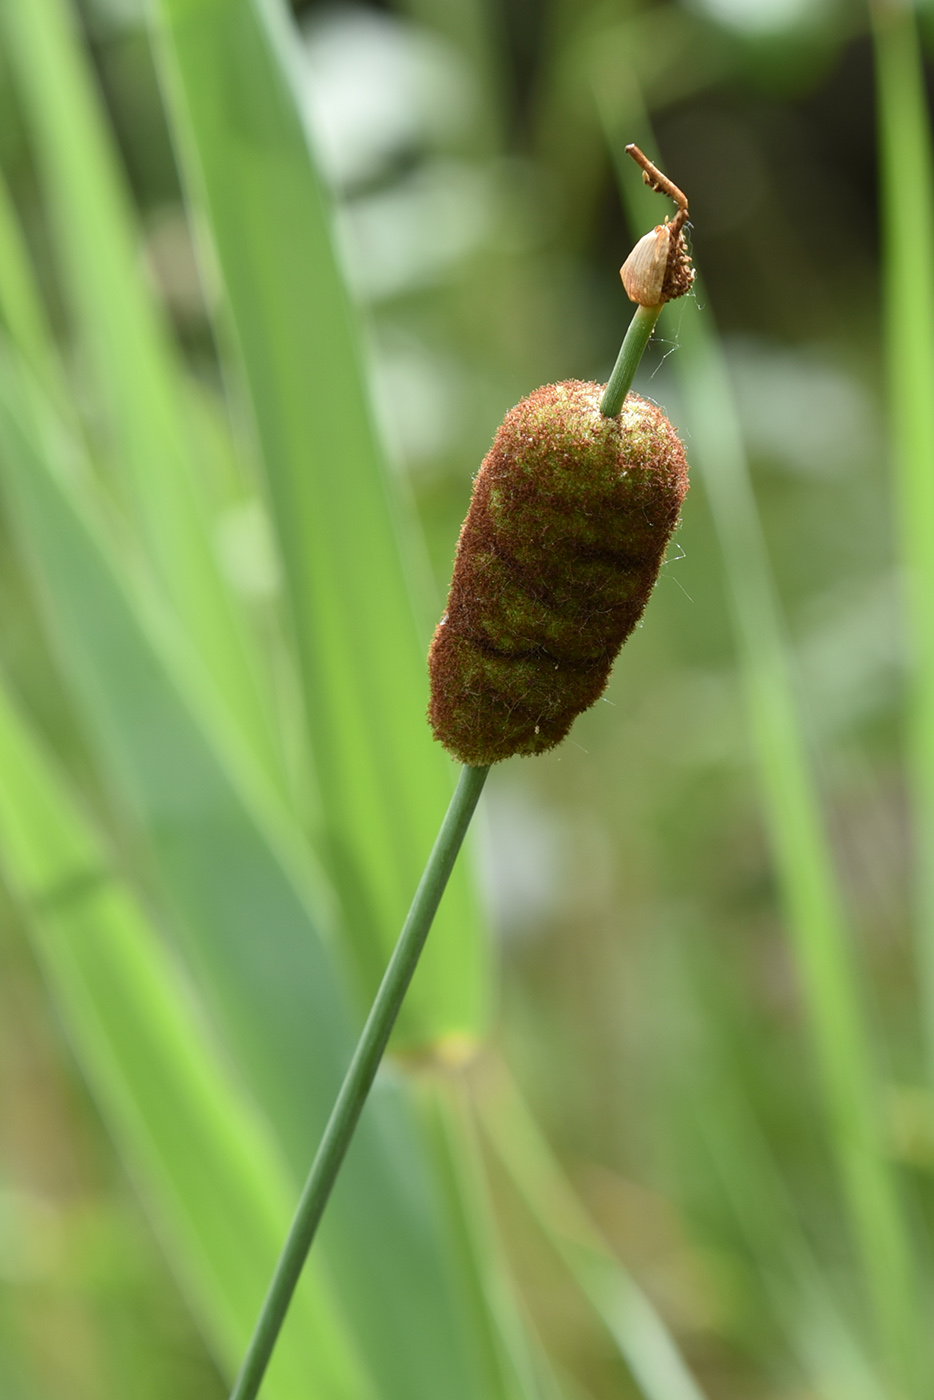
(567, 528)
(659, 267)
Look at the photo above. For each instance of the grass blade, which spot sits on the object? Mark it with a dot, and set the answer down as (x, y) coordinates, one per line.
(817, 921)
(134, 370)
(21, 308)
(714, 1120)
(639, 1333)
(517, 1368)
(240, 906)
(345, 540)
(219, 1192)
(907, 185)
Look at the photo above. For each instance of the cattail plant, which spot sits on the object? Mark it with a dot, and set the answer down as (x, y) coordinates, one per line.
(571, 514)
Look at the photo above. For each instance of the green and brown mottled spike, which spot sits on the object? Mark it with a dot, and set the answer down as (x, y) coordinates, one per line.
(567, 528)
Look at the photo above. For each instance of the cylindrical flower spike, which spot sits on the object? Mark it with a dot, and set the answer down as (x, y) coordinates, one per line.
(570, 518)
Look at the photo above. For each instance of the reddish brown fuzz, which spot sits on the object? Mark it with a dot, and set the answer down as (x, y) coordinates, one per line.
(568, 525)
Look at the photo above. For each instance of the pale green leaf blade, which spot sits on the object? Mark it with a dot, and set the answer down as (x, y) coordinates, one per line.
(638, 1331)
(907, 182)
(212, 1179)
(817, 920)
(347, 547)
(21, 308)
(241, 908)
(135, 373)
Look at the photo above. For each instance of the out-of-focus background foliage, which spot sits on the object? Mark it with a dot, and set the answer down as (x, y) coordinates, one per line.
(707, 910)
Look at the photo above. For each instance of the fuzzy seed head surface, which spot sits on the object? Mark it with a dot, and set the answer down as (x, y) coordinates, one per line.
(568, 524)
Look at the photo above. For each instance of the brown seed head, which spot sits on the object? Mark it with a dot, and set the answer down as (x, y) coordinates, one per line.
(570, 517)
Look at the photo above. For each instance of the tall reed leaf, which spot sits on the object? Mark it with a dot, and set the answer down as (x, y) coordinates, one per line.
(214, 1183)
(817, 920)
(638, 1331)
(719, 1129)
(240, 906)
(233, 86)
(907, 185)
(511, 1353)
(21, 308)
(134, 371)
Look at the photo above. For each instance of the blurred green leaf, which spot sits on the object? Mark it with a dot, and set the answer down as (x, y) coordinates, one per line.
(212, 1178)
(241, 897)
(514, 1364)
(818, 923)
(135, 374)
(351, 557)
(21, 307)
(644, 1342)
(907, 184)
(719, 1131)
(810, 889)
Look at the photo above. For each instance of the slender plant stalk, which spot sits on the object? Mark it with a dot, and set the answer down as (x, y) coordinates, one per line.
(627, 361)
(359, 1080)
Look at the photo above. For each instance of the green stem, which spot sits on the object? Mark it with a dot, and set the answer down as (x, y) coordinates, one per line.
(627, 361)
(358, 1081)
